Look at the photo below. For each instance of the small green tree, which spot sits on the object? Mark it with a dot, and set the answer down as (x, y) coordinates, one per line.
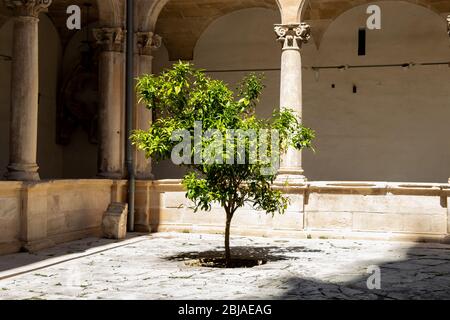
(236, 160)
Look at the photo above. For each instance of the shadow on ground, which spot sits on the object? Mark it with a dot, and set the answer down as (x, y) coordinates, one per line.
(17, 260)
(423, 275)
(269, 253)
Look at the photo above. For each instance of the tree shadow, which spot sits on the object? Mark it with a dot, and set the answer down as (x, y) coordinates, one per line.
(267, 253)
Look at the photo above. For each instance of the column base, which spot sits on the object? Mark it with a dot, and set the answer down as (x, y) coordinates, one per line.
(22, 172)
(145, 177)
(291, 176)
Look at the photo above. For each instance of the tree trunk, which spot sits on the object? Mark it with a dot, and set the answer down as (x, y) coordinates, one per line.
(227, 240)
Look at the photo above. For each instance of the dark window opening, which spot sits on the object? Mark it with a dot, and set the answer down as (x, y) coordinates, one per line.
(362, 42)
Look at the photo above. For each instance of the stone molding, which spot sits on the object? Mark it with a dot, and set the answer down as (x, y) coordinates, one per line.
(293, 35)
(146, 42)
(110, 39)
(28, 8)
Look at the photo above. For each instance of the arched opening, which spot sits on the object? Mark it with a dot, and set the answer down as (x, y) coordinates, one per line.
(5, 89)
(229, 47)
(68, 93)
(77, 113)
(380, 122)
(77, 91)
(329, 9)
(49, 153)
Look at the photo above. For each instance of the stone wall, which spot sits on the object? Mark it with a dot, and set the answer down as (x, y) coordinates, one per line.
(39, 215)
(393, 211)
(10, 207)
(393, 127)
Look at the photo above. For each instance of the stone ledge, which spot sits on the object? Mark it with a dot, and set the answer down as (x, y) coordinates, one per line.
(378, 188)
(76, 235)
(338, 187)
(307, 234)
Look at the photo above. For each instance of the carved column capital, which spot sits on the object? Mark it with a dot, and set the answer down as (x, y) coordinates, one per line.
(146, 42)
(110, 39)
(293, 35)
(28, 8)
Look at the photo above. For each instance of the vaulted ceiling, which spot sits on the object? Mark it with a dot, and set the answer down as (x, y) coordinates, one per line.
(182, 22)
(57, 13)
(106, 12)
(330, 9)
(320, 13)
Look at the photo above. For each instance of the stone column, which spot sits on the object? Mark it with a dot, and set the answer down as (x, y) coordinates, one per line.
(24, 89)
(112, 102)
(146, 43)
(292, 37)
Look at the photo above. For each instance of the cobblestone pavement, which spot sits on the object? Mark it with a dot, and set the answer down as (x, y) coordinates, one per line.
(153, 267)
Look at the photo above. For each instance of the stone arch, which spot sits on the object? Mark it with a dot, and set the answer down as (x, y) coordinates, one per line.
(392, 98)
(111, 12)
(291, 10)
(148, 21)
(438, 31)
(151, 11)
(166, 19)
(321, 19)
(319, 10)
(255, 49)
